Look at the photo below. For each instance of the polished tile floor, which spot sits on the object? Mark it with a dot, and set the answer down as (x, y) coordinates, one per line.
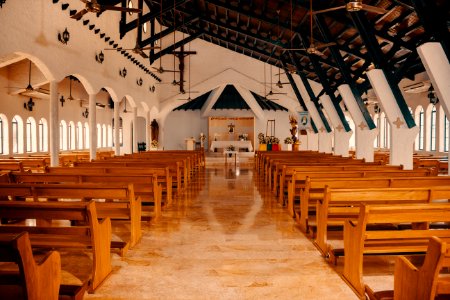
(224, 238)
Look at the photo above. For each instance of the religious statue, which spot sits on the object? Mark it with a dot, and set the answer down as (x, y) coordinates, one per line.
(155, 130)
(293, 130)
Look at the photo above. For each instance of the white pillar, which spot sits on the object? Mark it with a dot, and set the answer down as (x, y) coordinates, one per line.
(363, 136)
(93, 127)
(116, 129)
(325, 141)
(135, 148)
(148, 138)
(312, 141)
(438, 69)
(341, 137)
(402, 137)
(54, 124)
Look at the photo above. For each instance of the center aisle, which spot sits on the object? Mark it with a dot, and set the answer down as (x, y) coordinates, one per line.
(225, 238)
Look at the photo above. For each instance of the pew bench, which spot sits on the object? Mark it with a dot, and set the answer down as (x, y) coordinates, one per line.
(359, 241)
(113, 201)
(73, 225)
(416, 283)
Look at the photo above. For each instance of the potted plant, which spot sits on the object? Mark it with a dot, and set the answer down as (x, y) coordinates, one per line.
(230, 148)
(288, 143)
(275, 143)
(262, 142)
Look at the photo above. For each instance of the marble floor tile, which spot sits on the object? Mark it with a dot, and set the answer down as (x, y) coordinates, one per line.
(224, 238)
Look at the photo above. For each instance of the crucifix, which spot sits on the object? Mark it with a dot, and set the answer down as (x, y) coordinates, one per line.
(181, 55)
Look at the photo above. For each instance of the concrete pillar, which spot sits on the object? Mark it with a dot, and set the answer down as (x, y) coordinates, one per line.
(402, 137)
(148, 129)
(325, 141)
(135, 147)
(54, 124)
(438, 69)
(312, 141)
(116, 129)
(314, 138)
(341, 137)
(364, 137)
(93, 127)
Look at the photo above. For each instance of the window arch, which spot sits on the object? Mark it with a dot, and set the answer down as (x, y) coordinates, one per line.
(110, 136)
(387, 133)
(63, 135)
(4, 136)
(376, 120)
(104, 136)
(71, 136)
(420, 121)
(31, 135)
(17, 134)
(86, 135)
(79, 134)
(43, 135)
(433, 129)
(99, 135)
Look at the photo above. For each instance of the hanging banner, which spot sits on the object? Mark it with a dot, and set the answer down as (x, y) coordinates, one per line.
(304, 120)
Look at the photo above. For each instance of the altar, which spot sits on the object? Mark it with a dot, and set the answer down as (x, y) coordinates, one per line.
(237, 144)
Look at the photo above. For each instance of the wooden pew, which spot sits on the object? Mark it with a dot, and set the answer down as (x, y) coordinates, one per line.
(314, 190)
(358, 241)
(115, 201)
(412, 283)
(11, 166)
(28, 163)
(86, 231)
(145, 186)
(27, 279)
(339, 205)
(163, 174)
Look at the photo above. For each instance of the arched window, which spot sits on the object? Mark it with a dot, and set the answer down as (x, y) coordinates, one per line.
(31, 135)
(4, 142)
(351, 143)
(110, 136)
(420, 121)
(104, 136)
(79, 133)
(63, 135)
(376, 120)
(86, 135)
(43, 135)
(387, 135)
(446, 133)
(17, 134)
(433, 129)
(99, 135)
(71, 137)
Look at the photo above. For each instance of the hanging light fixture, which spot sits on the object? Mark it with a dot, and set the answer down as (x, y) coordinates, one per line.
(100, 57)
(64, 36)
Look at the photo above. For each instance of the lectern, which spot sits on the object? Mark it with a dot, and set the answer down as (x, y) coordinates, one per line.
(190, 143)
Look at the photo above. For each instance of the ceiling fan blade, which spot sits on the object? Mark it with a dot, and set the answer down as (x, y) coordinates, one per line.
(79, 14)
(328, 10)
(296, 49)
(374, 9)
(118, 8)
(320, 46)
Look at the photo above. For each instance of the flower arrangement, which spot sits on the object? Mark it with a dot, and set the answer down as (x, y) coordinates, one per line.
(231, 148)
(288, 140)
(243, 137)
(273, 140)
(154, 144)
(261, 138)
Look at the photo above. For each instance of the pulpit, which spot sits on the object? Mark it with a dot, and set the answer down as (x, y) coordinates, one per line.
(190, 143)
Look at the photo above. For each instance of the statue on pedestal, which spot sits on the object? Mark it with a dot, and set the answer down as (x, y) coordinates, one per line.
(154, 130)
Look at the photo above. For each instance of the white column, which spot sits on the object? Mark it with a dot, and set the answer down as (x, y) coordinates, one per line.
(312, 141)
(364, 137)
(438, 69)
(325, 141)
(116, 129)
(93, 127)
(314, 138)
(148, 133)
(402, 137)
(54, 124)
(135, 148)
(341, 137)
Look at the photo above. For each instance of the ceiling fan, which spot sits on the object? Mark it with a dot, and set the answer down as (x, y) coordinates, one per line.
(29, 88)
(279, 83)
(125, 109)
(271, 93)
(313, 48)
(353, 6)
(95, 7)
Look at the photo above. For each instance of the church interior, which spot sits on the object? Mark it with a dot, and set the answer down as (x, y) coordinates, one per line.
(212, 149)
